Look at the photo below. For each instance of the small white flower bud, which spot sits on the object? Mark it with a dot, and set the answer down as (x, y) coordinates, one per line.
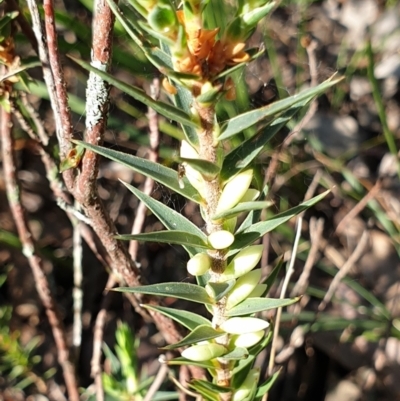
(248, 386)
(234, 190)
(199, 264)
(250, 195)
(221, 239)
(247, 340)
(243, 262)
(204, 352)
(258, 291)
(187, 151)
(230, 224)
(243, 325)
(194, 177)
(243, 287)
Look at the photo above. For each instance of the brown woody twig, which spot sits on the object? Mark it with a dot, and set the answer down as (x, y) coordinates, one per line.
(42, 285)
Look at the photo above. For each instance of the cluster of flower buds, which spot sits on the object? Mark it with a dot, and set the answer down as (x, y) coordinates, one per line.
(243, 332)
(240, 267)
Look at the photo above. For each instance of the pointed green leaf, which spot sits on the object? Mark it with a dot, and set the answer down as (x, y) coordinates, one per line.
(273, 275)
(254, 305)
(214, 388)
(221, 289)
(187, 319)
(165, 396)
(257, 230)
(183, 361)
(246, 120)
(163, 175)
(242, 208)
(114, 362)
(207, 169)
(237, 354)
(168, 237)
(170, 218)
(254, 53)
(205, 394)
(20, 69)
(240, 157)
(200, 333)
(243, 366)
(163, 108)
(254, 216)
(266, 386)
(124, 22)
(190, 292)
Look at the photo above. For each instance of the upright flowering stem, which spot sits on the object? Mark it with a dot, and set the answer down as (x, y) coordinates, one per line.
(223, 259)
(208, 151)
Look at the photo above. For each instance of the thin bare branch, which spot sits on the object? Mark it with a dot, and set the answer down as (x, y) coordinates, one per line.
(157, 382)
(358, 208)
(51, 84)
(62, 111)
(77, 292)
(316, 230)
(41, 282)
(98, 333)
(344, 270)
(289, 273)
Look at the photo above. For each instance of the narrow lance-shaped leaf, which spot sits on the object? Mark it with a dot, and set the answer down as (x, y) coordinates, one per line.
(183, 361)
(246, 120)
(240, 157)
(190, 292)
(20, 69)
(156, 171)
(207, 169)
(257, 230)
(187, 319)
(236, 354)
(254, 305)
(168, 237)
(266, 386)
(243, 367)
(210, 386)
(270, 280)
(219, 290)
(253, 53)
(170, 218)
(163, 108)
(199, 334)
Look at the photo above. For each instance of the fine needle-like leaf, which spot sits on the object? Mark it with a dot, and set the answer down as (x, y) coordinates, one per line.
(257, 230)
(186, 318)
(169, 237)
(165, 109)
(156, 171)
(200, 333)
(254, 305)
(170, 218)
(190, 292)
(246, 120)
